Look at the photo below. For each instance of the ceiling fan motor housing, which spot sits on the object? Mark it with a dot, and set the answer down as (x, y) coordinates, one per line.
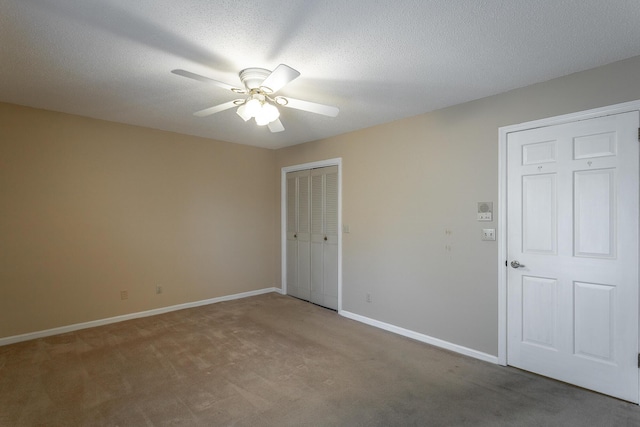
(252, 78)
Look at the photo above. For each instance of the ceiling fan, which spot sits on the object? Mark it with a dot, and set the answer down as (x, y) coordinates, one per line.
(259, 101)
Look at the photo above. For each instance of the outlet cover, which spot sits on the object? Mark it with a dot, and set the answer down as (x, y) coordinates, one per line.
(488, 234)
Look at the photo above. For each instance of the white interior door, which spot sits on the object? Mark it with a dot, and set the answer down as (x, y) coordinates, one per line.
(572, 224)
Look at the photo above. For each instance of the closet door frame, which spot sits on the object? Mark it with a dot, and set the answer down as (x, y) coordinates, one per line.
(283, 218)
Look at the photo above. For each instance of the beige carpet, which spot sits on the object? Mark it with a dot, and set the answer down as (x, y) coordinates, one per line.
(272, 360)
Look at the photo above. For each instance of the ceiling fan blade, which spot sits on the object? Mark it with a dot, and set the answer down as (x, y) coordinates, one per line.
(216, 109)
(276, 126)
(204, 79)
(312, 107)
(279, 77)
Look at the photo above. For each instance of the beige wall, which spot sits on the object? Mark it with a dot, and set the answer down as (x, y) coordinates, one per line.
(406, 182)
(89, 208)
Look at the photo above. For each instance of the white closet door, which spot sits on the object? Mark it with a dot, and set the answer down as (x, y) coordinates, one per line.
(324, 237)
(312, 235)
(298, 235)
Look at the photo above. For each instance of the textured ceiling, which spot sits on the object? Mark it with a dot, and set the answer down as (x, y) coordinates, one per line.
(378, 61)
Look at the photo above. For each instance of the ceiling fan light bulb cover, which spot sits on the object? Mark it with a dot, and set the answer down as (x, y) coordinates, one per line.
(269, 112)
(242, 112)
(252, 107)
(261, 120)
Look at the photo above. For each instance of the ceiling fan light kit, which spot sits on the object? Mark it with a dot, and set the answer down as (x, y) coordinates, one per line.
(258, 107)
(259, 84)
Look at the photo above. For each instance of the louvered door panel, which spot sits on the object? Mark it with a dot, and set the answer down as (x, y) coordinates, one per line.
(304, 237)
(292, 221)
(317, 236)
(330, 249)
(324, 237)
(298, 236)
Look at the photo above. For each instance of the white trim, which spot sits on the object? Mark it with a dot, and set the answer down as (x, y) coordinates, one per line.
(75, 327)
(502, 247)
(283, 218)
(422, 338)
(503, 133)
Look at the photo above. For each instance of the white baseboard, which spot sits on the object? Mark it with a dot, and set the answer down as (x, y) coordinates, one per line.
(70, 328)
(376, 323)
(421, 337)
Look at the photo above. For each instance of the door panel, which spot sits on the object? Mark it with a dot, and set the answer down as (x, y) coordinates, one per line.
(572, 224)
(303, 237)
(594, 211)
(298, 236)
(539, 325)
(317, 235)
(539, 211)
(330, 271)
(539, 153)
(292, 226)
(598, 145)
(594, 318)
(324, 220)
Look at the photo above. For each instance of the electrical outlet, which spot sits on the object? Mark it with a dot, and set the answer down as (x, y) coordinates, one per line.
(368, 297)
(124, 295)
(488, 234)
(158, 289)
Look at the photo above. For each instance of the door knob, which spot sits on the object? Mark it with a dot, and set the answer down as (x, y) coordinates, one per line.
(295, 236)
(325, 238)
(516, 264)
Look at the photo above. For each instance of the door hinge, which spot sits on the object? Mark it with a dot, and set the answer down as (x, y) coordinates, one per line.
(639, 134)
(507, 265)
(638, 360)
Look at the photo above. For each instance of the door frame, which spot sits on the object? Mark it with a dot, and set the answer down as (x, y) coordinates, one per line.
(503, 133)
(283, 218)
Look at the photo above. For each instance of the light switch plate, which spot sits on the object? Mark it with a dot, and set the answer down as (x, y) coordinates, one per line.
(485, 216)
(488, 234)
